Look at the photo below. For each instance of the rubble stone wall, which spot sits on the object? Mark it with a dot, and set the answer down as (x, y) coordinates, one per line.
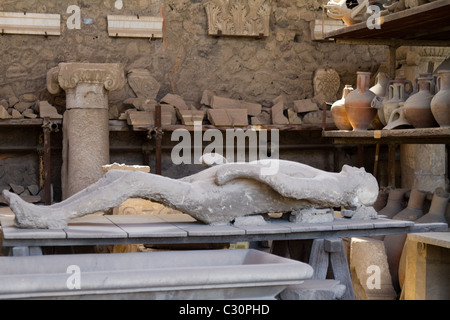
(186, 60)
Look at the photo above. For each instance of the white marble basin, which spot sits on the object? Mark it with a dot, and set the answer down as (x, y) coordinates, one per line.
(205, 274)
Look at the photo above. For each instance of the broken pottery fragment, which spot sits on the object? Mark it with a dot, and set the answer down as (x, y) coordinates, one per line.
(216, 195)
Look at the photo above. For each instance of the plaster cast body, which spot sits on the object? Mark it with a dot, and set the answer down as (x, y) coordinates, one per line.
(216, 195)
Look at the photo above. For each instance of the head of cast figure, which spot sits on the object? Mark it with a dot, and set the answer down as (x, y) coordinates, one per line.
(364, 184)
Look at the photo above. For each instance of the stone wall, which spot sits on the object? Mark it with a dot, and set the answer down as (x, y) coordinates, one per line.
(186, 60)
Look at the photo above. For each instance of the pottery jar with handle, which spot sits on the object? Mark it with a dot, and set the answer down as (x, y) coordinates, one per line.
(397, 93)
(417, 107)
(338, 110)
(360, 113)
(440, 104)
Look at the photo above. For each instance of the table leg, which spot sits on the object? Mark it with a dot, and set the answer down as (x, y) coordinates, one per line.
(330, 252)
(25, 251)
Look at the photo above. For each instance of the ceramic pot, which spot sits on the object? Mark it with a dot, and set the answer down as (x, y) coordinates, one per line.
(381, 86)
(418, 105)
(397, 119)
(397, 93)
(438, 208)
(414, 209)
(358, 103)
(440, 104)
(380, 91)
(338, 110)
(394, 203)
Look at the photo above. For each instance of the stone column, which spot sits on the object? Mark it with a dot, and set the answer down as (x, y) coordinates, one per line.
(85, 124)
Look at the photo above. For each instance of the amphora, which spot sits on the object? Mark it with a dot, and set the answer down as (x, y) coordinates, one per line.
(440, 104)
(338, 111)
(358, 103)
(418, 105)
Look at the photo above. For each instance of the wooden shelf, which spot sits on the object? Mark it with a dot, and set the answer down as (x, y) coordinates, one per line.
(121, 125)
(439, 135)
(424, 25)
(38, 122)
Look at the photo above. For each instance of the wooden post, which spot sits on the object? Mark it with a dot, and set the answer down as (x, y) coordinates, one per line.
(47, 163)
(392, 61)
(330, 252)
(391, 165)
(158, 141)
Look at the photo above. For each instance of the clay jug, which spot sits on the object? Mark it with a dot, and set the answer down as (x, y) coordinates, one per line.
(338, 110)
(440, 104)
(397, 93)
(358, 103)
(381, 86)
(438, 208)
(394, 203)
(418, 105)
(380, 91)
(414, 209)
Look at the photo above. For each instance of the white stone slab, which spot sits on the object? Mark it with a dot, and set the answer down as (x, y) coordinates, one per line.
(11, 232)
(30, 23)
(146, 226)
(93, 227)
(135, 26)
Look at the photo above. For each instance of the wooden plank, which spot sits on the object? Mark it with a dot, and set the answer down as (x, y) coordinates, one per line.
(198, 229)
(93, 227)
(425, 22)
(412, 136)
(440, 239)
(352, 224)
(340, 269)
(146, 226)
(11, 232)
(269, 228)
(319, 260)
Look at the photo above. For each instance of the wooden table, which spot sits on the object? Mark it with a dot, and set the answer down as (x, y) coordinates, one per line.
(182, 229)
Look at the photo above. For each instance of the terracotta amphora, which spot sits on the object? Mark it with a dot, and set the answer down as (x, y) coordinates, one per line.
(380, 89)
(394, 203)
(397, 93)
(440, 104)
(338, 111)
(438, 207)
(418, 105)
(358, 103)
(414, 209)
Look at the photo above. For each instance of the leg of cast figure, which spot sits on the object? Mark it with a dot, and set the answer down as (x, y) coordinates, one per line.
(108, 192)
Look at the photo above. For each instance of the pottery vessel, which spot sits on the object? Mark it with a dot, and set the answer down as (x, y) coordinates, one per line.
(418, 105)
(440, 104)
(338, 111)
(358, 103)
(380, 91)
(414, 209)
(394, 203)
(397, 119)
(397, 93)
(437, 209)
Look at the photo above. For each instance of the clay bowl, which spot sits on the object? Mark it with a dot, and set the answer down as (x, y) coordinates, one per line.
(360, 117)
